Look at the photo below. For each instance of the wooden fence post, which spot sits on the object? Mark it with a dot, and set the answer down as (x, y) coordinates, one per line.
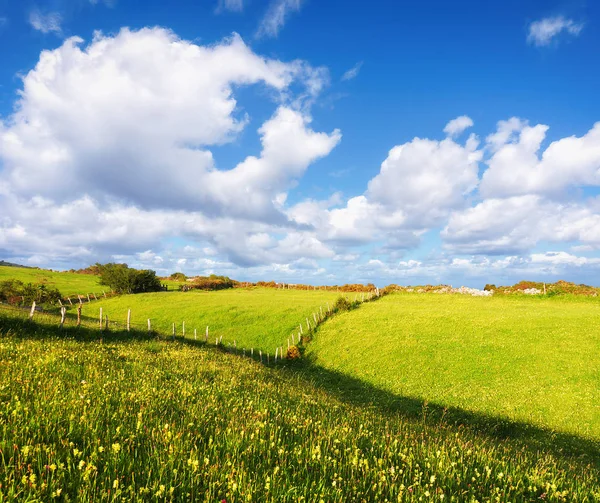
(31, 313)
(101, 319)
(173, 331)
(95, 298)
(106, 322)
(104, 293)
(149, 326)
(315, 318)
(183, 329)
(206, 336)
(88, 296)
(60, 302)
(307, 325)
(301, 328)
(128, 319)
(195, 335)
(69, 299)
(63, 311)
(79, 315)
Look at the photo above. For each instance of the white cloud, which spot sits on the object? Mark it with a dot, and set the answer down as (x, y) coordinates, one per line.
(353, 72)
(456, 126)
(519, 223)
(542, 32)
(517, 167)
(230, 5)
(426, 178)
(276, 16)
(174, 100)
(46, 23)
(112, 143)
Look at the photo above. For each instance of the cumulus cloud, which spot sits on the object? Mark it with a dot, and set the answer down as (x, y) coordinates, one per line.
(456, 126)
(108, 120)
(276, 16)
(517, 224)
(542, 32)
(46, 23)
(353, 72)
(116, 138)
(418, 185)
(518, 167)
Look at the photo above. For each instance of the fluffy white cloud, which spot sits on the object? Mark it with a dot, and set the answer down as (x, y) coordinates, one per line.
(353, 72)
(456, 126)
(111, 143)
(519, 223)
(424, 179)
(46, 23)
(542, 32)
(418, 185)
(517, 166)
(132, 117)
(276, 16)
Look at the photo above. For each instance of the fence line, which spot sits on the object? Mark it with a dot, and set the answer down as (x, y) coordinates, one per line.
(103, 324)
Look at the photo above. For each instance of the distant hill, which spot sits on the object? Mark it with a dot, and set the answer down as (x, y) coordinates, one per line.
(10, 264)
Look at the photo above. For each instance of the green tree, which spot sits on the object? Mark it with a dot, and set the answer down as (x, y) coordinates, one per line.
(123, 279)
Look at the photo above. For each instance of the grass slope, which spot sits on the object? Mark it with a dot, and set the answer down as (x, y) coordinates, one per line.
(68, 283)
(129, 419)
(260, 318)
(528, 359)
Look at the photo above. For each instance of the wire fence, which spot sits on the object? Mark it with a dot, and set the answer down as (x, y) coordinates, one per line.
(178, 331)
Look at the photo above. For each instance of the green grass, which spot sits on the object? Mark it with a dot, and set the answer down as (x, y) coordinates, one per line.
(259, 318)
(68, 283)
(131, 419)
(531, 360)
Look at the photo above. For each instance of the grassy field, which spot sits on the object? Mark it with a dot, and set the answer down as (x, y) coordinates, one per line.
(130, 419)
(259, 318)
(532, 360)
(68, 283)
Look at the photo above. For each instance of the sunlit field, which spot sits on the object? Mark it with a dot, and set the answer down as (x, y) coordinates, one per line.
(127, 418)
(260, 318)
(534, 360)
(67, 283)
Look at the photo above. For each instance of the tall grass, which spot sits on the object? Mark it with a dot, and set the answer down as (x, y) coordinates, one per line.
(134, 419)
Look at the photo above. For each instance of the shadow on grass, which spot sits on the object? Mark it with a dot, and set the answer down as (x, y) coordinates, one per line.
(348, 389)
(535, 438)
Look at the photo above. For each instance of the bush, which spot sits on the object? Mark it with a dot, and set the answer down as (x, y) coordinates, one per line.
(14, 291)
(178, 276)
(489, 288)
(293, 353)
(122, 279)
(342, 304)
(212, 282)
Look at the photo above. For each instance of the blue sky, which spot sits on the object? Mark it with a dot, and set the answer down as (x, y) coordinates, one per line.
(303, 141)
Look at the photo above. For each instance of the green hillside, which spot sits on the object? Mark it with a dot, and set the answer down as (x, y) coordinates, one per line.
(124, 418)
(68, 283)
(528, 359)
(261, 318)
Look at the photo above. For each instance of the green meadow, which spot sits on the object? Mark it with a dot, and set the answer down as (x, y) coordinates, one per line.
(68, 283)
(527, 359)
(260, 318)
(105, 417)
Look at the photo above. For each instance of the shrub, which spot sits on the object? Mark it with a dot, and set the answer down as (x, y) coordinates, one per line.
(178, 276)
(293, 353)
(14, 291)
(342, 304)
(123, 279)
(212, 282)
(489, 288)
